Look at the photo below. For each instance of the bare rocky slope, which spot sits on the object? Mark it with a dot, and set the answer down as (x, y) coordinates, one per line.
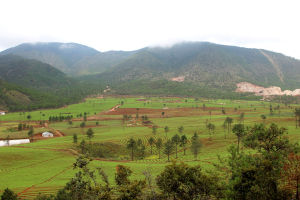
(245, 87)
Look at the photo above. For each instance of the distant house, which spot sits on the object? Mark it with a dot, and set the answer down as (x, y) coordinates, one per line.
(47, 134)
(2, 112)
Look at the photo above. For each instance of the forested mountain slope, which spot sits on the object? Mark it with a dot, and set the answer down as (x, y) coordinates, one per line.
(30, 84)
(70, 58)
(202, 67)
(62, 56)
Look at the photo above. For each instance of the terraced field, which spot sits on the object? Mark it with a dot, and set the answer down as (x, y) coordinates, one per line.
(45, 165)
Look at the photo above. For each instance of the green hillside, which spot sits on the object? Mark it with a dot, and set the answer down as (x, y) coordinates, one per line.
(70, 58)
(30, 84)
(60, 55)
(100, 62)
(17, 98)
(206, 68)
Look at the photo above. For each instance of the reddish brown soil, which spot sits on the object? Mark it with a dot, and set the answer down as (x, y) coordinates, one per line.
(172, 112)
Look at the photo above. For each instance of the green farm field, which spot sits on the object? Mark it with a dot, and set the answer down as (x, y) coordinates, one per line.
(45, 165)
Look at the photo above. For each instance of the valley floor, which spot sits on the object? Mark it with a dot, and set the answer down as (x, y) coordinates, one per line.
(45, 165)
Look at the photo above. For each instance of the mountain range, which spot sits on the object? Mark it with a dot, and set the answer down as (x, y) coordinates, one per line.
(190, 68)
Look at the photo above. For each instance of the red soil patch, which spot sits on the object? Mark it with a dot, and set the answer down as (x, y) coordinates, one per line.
(172, 112)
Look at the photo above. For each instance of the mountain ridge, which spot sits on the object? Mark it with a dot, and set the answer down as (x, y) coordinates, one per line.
(195, 67)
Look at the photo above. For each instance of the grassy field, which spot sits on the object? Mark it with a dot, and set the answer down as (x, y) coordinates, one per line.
(45, 165)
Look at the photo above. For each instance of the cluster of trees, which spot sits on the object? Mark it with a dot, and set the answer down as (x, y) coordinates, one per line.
(267, 169)
(137, 148)
(95, 149)
(23, 126)
(60, 118)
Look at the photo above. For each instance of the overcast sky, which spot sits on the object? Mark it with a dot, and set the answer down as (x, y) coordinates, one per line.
(133, 24)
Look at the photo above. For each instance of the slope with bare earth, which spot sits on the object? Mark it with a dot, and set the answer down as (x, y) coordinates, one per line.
(262, 91)
(199, 68)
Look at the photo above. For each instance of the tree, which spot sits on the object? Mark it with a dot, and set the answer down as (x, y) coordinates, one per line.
(169, 148)
(180, 129)
(263, 117)
(176, 141)
(85, 184)
(211, 127)
(154, 129)
(223, 111)
(242, 117)
(271, 109)
(7, 140)
(9, 195)
(121, 177)
(180, 181)
(159, 145)
(75, 138)
(139, 142)
(131, 145)
(166, 130)
(268, 140)
(82, 146)
(30, 133)
(228, 121)
(297, 117)
(82, 125)
(90, 133)
(162, 114)
(149, 179)
(20, 127)
(258, 175)
(128, 190)
(291, 174)
(196, 145)
(183, 142)
(239, 131)
(151, 141)
(140, 149)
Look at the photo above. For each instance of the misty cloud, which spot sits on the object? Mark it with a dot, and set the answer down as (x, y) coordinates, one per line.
(134, 24)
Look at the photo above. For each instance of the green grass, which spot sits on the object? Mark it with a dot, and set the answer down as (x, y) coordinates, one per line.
(46, 165)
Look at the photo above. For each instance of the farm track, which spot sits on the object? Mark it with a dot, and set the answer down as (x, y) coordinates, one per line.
(26, 194)
(31, 165)
(71, 151)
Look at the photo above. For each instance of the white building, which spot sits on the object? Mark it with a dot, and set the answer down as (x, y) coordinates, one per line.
(13, 142)
(47, 134)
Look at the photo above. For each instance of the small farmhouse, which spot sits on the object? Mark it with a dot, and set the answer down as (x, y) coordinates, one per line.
(2, 112)
(47, 134)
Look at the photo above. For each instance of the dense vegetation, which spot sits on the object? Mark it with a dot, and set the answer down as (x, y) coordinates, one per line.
(63, 56)
(29, 84)
(71, 58)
